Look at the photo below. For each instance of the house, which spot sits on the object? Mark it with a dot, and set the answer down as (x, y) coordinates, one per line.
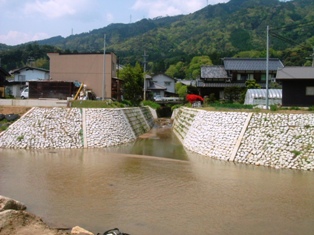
(3, 81)
(22, 76)
(297, 86)
(161, 85)
(88, 68)
(234, 73)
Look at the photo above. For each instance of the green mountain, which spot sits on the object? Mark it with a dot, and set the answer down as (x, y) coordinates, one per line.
(225, 29)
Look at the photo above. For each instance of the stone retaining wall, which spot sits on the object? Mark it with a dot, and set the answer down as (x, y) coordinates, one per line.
(76, 128)
(268, 139)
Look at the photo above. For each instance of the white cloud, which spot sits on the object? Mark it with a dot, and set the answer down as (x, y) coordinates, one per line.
(109, 17)
(15, 37)
(54, 8)
(156, 8)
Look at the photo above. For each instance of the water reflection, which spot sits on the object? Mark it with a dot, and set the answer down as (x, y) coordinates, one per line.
(99, 190)
(159, 142)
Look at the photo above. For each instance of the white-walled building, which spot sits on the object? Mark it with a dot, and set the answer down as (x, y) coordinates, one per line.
(21, 77)
(162, 85)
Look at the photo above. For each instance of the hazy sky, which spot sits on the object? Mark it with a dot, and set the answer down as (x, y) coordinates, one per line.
(29, 20)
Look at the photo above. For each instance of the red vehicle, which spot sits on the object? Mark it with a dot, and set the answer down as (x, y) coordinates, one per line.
(193, 98)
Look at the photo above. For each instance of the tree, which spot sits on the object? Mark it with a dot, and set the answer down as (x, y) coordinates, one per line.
(133, 83)
(194, 69)
(232, 93)
(181, 89)
(177, 70)
(249, 84)
(252, 84)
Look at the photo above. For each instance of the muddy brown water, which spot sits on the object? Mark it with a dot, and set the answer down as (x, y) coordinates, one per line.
(154, 186)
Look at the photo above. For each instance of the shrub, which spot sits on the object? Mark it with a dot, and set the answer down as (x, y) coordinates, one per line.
(273, 107)
(96, 104)
(311, 108)
(176, 106)
(232, 105)
(151, 104)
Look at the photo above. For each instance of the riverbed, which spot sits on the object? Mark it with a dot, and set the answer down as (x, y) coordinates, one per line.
(162, 189)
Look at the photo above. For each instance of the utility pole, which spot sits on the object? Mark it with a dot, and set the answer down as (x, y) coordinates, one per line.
(30, 61)
(267, 66)
(313, 58)
(144, 88)
(104, 79)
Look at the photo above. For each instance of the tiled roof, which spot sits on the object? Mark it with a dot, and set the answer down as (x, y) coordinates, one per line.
(155, 86)
(252, 64)
(27, 68)
(188, 82)
(295, 73)
(213, 72)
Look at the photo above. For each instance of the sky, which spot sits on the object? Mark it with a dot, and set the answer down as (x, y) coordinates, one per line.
(24, 21)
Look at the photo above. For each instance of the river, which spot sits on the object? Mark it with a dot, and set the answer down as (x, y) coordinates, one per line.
(153, 186)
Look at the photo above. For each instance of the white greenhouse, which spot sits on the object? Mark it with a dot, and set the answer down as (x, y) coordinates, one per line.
(258, 96)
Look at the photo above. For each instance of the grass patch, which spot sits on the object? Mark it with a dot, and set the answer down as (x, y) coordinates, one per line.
(96, 104)
(230, 106)
(151, 104)
(311, 108)
(296, 153)
(273, 107)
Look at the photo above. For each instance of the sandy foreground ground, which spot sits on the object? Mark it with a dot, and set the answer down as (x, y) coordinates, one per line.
(14, 219)
(14, 109)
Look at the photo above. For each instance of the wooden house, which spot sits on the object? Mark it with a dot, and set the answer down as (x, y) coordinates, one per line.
(22, 76)
(297, 86)
(234, 73)
(3, 82)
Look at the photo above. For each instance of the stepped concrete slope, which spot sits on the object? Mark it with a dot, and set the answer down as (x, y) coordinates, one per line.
(268, 139)
(76, 128)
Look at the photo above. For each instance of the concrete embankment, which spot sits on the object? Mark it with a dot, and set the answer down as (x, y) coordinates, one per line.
(268, 139)
(77, 128)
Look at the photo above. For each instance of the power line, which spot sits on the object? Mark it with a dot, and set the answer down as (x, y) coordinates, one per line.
(282, 38)
(301, 25)
(288, 40)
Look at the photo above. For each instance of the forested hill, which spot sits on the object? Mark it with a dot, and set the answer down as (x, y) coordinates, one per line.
(227, 29)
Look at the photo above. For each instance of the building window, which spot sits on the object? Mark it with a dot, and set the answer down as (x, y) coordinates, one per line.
(309, 90)
(271, 77)
(21, 78)
(167, 83)
(242, 77)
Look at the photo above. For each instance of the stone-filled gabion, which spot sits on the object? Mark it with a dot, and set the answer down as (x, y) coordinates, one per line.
(107, 127)
(45, 128)
(279, 140)
(269, 139)
(215, 134)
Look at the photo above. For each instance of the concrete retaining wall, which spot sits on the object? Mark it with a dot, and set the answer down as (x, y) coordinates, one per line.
(76, 128)
(268, 139)
(34, 102)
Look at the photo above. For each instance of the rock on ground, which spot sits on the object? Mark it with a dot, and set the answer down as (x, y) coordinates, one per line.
(24, 223)
(10, 204)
